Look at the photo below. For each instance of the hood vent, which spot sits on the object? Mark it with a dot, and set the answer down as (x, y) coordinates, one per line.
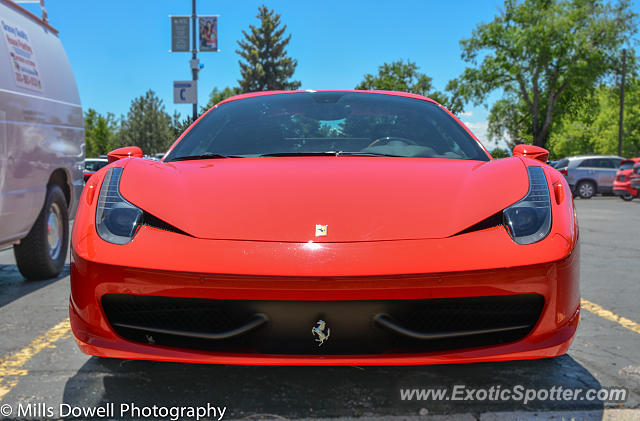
(490, 222)
(152, 221)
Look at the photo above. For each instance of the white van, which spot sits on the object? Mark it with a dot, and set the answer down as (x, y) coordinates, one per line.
(41, 142)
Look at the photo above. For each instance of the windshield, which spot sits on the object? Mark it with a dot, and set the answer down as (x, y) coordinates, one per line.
(308, 123)
(94, 165)
(627, 165)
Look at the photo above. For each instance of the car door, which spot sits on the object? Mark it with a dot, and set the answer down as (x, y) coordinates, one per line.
(587, 170)
(608, 167)
(5, 232)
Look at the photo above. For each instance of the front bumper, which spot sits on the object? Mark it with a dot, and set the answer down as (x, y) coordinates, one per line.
(346, 281)
(623, 188)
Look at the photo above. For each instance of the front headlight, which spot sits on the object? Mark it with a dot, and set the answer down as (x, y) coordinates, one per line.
(116, 219)
(529, 220)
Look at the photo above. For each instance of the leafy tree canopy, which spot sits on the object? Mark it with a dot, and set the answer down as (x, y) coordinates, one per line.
(147, 125)
(498, 153)
(406, 77)
(398, 76)
(546, 57)
(100, 132)
(508, 120)
(266, 65)
(217, 95)
(179, 125)
(594, 127)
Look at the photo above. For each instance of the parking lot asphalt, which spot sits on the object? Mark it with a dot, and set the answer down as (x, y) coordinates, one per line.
(40, 363)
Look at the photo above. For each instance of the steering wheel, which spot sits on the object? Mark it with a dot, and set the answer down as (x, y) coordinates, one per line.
(389, 138)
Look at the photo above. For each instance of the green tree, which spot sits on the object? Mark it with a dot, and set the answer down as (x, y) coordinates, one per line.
(217, 95)
(147, 125)
(509, 121)
(266, 65)
(406, 77)
(178, 125)
(498, 153)
(546, 56)
(593, 128)
(100, 132)
(631, 126)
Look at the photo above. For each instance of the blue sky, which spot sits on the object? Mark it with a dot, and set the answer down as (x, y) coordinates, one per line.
(120, 49)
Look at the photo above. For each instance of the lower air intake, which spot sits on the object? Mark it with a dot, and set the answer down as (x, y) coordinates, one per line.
(357, 327)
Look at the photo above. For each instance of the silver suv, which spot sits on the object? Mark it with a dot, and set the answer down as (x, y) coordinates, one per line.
(590, 174)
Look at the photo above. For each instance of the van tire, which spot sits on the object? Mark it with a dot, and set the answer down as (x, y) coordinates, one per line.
(42, 253)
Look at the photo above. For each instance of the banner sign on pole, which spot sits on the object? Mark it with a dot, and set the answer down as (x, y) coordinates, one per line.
(208, 33)
(185, 92)
(180, 34)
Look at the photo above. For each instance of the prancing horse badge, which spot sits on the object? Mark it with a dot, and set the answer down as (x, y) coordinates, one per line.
(321, 230)
(319, 331)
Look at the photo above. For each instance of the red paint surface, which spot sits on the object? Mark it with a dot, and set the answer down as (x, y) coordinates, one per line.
(626, 185)
(392, 225)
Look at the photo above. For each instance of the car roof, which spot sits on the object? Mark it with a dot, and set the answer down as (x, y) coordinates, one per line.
(359, 91)
(593, 156)
(381, 92)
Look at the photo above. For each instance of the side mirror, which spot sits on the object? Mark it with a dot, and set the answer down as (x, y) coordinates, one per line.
(126, 152)
(531, 151)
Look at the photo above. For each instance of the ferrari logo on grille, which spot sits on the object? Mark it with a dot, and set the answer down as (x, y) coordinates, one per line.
(321, 230)
(320, 333)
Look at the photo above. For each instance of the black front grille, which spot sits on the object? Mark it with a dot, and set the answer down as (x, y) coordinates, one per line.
(184, 323)
(473, 313)
(185, 314)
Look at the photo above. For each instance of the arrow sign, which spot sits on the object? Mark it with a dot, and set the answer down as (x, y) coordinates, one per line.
(185, 92)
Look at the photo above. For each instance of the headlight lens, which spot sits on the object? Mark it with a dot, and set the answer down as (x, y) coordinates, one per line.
(116, 219)
(529, 220)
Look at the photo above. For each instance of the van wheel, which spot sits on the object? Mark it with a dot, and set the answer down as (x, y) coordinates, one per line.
(586, 189)
(41, 254)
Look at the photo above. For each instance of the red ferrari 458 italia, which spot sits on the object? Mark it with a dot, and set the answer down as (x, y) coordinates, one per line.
(326, 228)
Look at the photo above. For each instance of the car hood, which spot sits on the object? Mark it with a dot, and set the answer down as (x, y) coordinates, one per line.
(357, 198)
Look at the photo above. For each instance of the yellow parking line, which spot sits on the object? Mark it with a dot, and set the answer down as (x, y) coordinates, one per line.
(11, 367)
(610, 315)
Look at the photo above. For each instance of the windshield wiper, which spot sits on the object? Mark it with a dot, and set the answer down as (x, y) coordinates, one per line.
(204, 156)
(331, 153)
(328, 153)
(340, 153)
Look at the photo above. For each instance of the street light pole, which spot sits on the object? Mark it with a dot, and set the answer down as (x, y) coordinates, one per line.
(194, 55)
